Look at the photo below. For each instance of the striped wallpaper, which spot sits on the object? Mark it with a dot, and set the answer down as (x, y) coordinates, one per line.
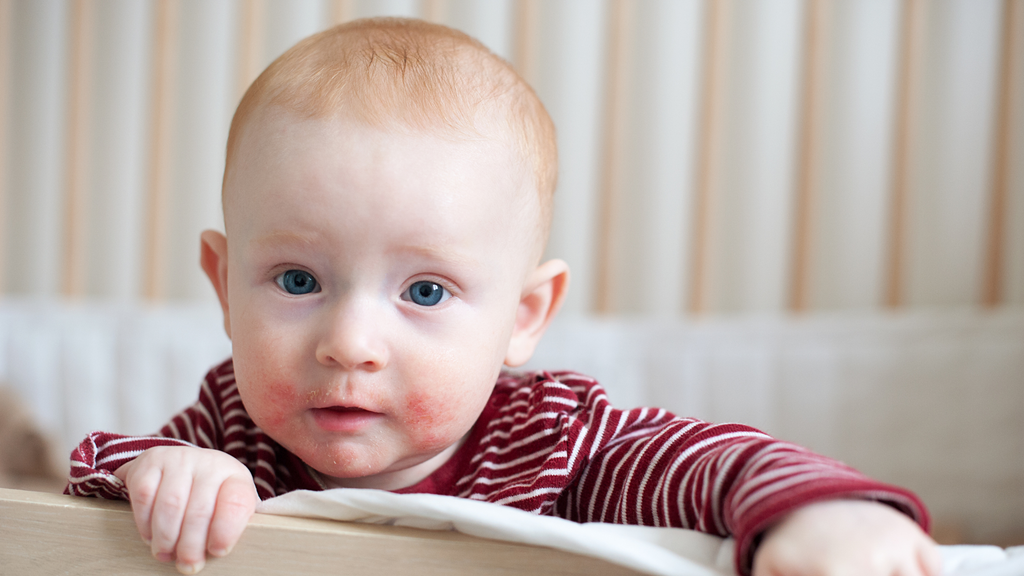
(718, 156)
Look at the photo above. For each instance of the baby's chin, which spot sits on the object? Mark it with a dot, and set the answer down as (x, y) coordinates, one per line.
(364, 467)
(344, 467)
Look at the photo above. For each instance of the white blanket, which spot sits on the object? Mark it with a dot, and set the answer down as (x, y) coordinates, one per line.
(658, 551)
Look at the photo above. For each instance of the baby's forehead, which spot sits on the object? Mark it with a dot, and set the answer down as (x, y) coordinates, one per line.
(402, 76)
(289, 163)
(274, 129)
(279, 142)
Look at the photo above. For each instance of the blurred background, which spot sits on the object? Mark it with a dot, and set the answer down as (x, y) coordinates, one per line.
(805, 215)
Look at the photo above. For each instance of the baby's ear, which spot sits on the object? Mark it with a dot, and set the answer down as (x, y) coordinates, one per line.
(543, 294)
(213, 257)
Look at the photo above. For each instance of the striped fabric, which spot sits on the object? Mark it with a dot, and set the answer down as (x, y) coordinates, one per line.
(548, 443)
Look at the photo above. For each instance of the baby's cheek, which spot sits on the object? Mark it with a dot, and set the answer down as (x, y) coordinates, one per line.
(437, 419)
(271, 403)
(418, 411)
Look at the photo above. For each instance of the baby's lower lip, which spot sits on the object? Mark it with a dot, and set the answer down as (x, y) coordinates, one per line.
(342, 419)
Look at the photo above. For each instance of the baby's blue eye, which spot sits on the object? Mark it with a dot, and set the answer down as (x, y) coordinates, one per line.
(426, 293)
(297, 282)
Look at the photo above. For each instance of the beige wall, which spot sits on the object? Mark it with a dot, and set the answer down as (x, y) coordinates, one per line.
(717, 156)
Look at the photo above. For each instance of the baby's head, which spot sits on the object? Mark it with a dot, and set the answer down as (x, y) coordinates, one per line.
(387, 197)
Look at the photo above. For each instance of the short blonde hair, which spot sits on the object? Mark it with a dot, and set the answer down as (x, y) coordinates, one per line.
(403, 72)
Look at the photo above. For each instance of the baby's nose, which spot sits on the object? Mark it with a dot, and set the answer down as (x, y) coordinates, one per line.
(351, 339)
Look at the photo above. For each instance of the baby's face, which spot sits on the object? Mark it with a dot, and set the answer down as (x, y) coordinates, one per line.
(373, 280)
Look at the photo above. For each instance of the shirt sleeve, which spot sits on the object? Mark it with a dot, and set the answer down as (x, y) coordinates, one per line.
(649, 467)
(95, 459)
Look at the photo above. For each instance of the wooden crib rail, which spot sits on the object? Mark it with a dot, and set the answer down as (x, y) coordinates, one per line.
(49, 534)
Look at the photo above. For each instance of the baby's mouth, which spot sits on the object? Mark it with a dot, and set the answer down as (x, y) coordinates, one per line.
(344, 418)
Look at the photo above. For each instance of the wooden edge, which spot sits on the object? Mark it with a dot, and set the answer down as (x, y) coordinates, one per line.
(52, 533)
(74, 504)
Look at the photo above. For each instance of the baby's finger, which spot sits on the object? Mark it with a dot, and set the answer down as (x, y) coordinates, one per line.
(930, 559)
(143, 483)
(236, 503)
(168, 512)
(190, 553)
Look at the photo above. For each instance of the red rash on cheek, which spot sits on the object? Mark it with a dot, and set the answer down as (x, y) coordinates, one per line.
(418, 410)
(271, 404)
(429, 419)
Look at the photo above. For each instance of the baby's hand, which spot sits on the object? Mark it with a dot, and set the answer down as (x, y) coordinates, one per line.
(188, 501)
(847, 537)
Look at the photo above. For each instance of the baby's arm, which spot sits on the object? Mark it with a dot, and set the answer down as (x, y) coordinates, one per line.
(188, 501)
(99, 454)
(197, 458)
(847, 537)
(649, 467)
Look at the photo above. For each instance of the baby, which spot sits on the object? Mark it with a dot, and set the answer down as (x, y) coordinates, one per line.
(387, 197)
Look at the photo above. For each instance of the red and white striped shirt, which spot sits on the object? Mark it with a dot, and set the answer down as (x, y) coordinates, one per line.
(548, 443)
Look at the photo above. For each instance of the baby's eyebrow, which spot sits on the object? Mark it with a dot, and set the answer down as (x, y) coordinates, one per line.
(285, 237)
(440, 253)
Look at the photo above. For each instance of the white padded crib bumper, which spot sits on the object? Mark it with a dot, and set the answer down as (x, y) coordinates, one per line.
(931, 401)
(645, 549)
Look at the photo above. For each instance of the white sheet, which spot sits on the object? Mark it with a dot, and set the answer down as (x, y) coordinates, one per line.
(657, 551)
